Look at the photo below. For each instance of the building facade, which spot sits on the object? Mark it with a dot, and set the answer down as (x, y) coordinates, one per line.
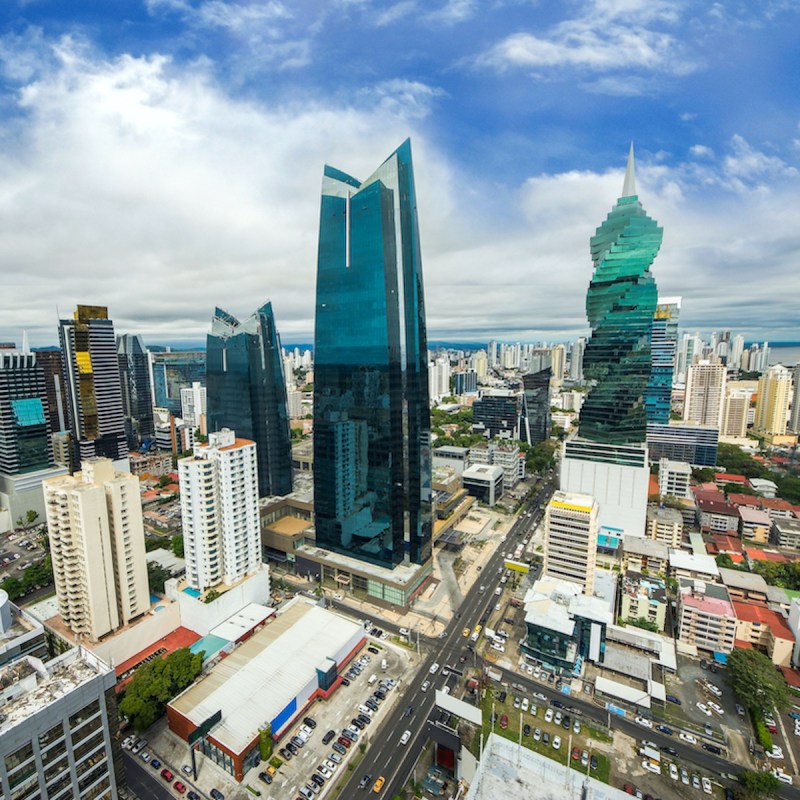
(137, 403)
(570, 547)
(372, 455)
(535, 421)
(705, 393)
(219, 509)
(674, 478)
(246, 392)
(663, 346)
(772, 404)
(94, 524)
(694, 444)
(173, 370)
(707, 619)
(92, 385)
(496, 413)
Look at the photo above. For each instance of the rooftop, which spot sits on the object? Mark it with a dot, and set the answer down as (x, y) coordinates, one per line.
(740, 579)
(401, 575)
(680, 559)
(764, 616)
(635, 584)
(639, 546)
(710, 598)
(42, 683)
(713, 506)
(748, 500)
(664, 515)
(754, 516)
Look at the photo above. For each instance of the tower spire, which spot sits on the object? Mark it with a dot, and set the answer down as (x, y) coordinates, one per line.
(629, 186)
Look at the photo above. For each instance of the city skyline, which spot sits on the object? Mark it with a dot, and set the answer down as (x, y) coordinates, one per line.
(235, 106)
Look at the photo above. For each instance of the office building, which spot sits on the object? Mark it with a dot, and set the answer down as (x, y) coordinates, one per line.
(52, 365)
(505, 455)
(705, 393)
(694, 444)
(734, 414)
(219, 510)
(571, 526)
(535, 415)
(94, 524)
(674, 478)
(772, 404)
(608, 458)
(465, 383)
(57, 729)
(134, 375)
(92, 385)
(663, 346)
(171, 371)
(372, 461)
(484, 482)
(496, 413)
(246, 392)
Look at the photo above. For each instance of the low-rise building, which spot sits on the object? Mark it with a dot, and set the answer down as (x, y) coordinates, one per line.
(484, 482)
(674, 478)
(786, 532)
(777, 508)
(764, 487)
(645, 555)
(155, 464)
(455, 457)
(643, 597)
(744, 587)
(665, 525)
(765, 630)
(754, 524)
(706, 616)
(689, 565)
(717, 516)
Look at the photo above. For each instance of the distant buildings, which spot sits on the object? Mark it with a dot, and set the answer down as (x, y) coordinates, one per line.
(246, 392)
(94, 524)
(571, 539)
(735, 412)
(663, 346)
(372, 462)
(137, 403)
(219, 509)
(92, 385)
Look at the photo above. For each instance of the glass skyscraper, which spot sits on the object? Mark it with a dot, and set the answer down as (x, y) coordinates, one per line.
(620, 305)
(172, 371)
(664, 347)
(134, 376)
(372, 459)
(246, 392)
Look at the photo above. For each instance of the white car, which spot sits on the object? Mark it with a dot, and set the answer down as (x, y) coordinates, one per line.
(338, 597)
(530, 670)
(404, 632)
(714, 689)
(776, 752)
(704, 709)
(145, 756)
(537, 734)
(707, 784)
(687, 737)
(498, 647)
(324, 771)
(548, 715)
(434, 668)
(645, 723)
(651, 767)
(526, 704)
(673, 772)
(425, 686)
(714, 707)
(558, 717)
(781, 776)
(556, 743)
(329, 765)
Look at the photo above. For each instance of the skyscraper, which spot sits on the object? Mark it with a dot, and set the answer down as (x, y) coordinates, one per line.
(134, 375)
(219, 510)
(172, 371)
(772, 404)
(620, 305)
(608, 458)
(794, 422)
(246, 392)
(94, 523)
(571, 539)
(663, 346)
(705, 393)
(372, 460)
(91, 380)
(535, 418)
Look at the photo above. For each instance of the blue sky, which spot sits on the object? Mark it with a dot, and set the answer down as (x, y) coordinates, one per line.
(162, 157)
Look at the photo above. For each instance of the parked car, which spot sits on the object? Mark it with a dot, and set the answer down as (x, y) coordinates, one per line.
(167, 775)
(672, 699)
(179, 787)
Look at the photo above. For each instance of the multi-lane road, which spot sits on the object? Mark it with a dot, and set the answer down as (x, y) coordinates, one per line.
(386, 756)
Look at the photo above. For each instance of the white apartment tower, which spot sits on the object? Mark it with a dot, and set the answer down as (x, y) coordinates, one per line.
(571, 538)
(705, 393)
(674, 478)
(219, 507)
(734, 415)
(193, 406)
(94, 523)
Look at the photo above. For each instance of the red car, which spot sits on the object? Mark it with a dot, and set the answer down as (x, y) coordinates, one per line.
(167, 775)
(179, 787)
(343, 740)
(576, 754)
(504, 721)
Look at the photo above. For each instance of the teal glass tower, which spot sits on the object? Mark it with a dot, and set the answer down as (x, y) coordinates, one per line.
(246, 392)
(372, 459)
(620, 305)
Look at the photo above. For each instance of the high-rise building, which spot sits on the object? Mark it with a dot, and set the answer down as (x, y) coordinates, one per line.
(695, 444)
(480, 364)
(173, 370)
(52, 366)
(439, 379)
(794, 422)
(193, 406)
(246, 392)
(608, 459)
(576, 359)
(664, 346)
(737, 348)
(772, 404)
(465, 383)
(94, 523)
(571, 526)
(535, 419)
(705, 393)
(496, 413)
(219, 509)
(734, 413)
(134, 375)
(58, 730)
(558, 356)
(92, 384)
(372, 459)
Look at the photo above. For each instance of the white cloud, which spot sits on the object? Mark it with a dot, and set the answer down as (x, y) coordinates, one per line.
(452, 12)
(410, 99)
(701, 151)
(238, 17)
(393, 13)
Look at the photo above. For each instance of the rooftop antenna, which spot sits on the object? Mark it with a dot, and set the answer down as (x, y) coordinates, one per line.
(629, 186)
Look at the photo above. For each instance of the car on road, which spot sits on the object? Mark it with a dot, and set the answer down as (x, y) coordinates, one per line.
(365, 780)
(466, 632)
(665, 729)
(540, 696)
(687, 737)
(669, 750)
(338, 597)
(434, 668)
(405, 632)
(644, 722)
(712, 748)
(379, 784)
(425, 686)
(405, 737)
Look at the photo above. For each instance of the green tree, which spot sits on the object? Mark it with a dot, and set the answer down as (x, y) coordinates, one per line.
(13, 587)
(156, 577)
(211, 596)
(703, 474)
(163, 481)
(756, 681)
(177, 546)
(153, 685)
(759, 784)
(644, 623)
